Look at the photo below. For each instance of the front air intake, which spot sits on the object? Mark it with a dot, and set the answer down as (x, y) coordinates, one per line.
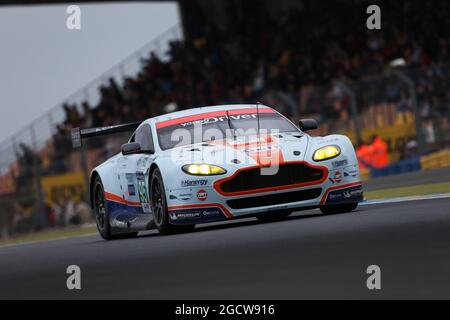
(274, 199)
(289, 175)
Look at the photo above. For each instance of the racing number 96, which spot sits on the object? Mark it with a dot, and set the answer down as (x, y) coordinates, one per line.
(143, 196)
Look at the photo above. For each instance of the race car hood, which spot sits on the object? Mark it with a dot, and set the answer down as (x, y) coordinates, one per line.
(244, 151)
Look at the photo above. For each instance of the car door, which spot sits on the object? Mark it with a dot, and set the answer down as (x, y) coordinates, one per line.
(134, 170)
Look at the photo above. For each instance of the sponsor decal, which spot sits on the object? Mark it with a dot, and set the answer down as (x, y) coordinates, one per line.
(261, 148)
(219, 119)
(181, 195)
(196, 215)
(131, 190)
(185, 196)
(339, 163)
(351, 172)
(211, 212)
(246, 140)
(338, 176)
(194, 183)
(211, 117)
(129, 177)
(352, 194)
(202, 195)
(143, 162)
(185, 215)
(143, 193)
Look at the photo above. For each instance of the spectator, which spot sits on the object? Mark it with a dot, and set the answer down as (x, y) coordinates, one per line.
(379, 152)
(364, 155)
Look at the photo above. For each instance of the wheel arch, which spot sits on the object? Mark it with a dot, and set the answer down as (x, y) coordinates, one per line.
(153, 167)
(94, 176)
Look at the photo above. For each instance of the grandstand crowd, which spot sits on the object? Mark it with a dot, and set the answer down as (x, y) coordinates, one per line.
(289, 60)
(269, 58)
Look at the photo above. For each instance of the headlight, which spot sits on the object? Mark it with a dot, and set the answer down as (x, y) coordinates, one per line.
(203, 169)
(327, 152)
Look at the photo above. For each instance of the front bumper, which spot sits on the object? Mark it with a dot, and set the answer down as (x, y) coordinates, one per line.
(204, 204)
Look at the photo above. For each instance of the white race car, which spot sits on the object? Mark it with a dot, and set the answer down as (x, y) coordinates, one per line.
(218, 163)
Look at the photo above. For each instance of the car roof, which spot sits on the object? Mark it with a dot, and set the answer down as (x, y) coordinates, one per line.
(199, 110)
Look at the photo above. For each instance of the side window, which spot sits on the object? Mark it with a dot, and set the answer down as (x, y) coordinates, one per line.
(144, 137)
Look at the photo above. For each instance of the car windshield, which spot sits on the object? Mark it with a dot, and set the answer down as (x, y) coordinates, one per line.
(216, 126)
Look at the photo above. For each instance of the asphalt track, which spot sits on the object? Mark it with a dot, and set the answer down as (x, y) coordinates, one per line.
(301, 257)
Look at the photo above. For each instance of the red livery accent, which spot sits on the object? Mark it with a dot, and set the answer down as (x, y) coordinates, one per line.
(221, 113)
(113, 197)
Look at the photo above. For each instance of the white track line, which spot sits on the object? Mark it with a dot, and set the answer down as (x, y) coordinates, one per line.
(408, 198)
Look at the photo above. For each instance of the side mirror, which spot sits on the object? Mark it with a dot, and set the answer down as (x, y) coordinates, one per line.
(308, 124)
(149, 151)
(131, 148)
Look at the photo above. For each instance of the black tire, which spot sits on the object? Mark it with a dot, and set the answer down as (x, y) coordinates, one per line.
(158, 202)
(101, 213)
(339, 208)
(273, 216)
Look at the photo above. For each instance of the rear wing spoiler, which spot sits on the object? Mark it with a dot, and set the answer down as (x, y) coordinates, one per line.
(79, 134)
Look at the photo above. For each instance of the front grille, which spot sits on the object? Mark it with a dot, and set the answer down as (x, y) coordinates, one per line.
(287, 174)
(268, 200)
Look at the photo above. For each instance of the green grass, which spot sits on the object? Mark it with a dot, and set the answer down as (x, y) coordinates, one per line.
(49, 235)
(421, 190)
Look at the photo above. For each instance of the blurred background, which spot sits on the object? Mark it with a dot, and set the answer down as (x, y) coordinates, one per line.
(387, 89)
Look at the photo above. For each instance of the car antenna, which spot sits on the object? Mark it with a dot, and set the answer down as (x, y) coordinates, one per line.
(230, 125)
(258, 143)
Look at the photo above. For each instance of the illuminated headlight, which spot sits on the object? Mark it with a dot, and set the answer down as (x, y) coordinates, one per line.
(203, 169)
(327, 152)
